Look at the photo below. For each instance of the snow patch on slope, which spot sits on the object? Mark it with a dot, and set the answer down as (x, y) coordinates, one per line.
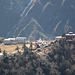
(63, 1)
(26, 8)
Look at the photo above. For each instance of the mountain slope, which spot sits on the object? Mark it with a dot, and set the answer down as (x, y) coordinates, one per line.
(54, 16)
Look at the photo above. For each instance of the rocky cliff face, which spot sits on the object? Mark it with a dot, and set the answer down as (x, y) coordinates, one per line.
(36, 18)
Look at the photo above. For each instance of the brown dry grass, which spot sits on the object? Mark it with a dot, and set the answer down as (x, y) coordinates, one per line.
(11, 48)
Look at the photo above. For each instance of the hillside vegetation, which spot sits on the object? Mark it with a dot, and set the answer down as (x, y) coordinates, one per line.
(60, 60)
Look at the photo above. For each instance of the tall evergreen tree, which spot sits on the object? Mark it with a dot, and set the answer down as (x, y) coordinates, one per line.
(17, 48)
(31, 46)
(4, 53)
(24, 46)
(0, 50)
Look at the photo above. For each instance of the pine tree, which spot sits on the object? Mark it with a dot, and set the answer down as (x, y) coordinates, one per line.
(0, 50)
(24, 46)
(37, 46)
(17, 48)
(31, 46)
(25, 49)
(63, 35)
(4, 53)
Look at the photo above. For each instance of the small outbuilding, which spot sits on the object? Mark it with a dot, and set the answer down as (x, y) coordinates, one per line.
(17, 40)
(7, 42)
(58, 37)
(20, 40)
(70, 36)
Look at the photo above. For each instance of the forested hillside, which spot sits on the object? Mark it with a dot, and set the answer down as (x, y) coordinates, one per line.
(60, 60)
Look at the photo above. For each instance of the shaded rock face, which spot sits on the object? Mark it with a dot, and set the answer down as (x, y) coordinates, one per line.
(36, 18)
